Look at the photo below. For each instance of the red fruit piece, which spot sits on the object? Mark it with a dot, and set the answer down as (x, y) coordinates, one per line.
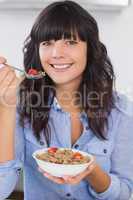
(32, 72)
(77, 155)
(52, 150)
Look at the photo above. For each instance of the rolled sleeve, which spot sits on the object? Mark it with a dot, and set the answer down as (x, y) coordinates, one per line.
(10, 170)
(8, 179)
(4, 167)
(111, 193)
(9, 165)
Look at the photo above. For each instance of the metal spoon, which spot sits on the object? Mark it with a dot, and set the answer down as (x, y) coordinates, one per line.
(23, 72)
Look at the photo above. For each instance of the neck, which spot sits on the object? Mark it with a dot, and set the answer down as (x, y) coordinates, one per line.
(68, 95)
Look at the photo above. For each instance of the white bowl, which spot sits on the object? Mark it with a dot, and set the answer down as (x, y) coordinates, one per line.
(62, 169)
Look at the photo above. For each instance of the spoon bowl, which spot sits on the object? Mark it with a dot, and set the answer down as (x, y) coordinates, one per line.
(40, 75)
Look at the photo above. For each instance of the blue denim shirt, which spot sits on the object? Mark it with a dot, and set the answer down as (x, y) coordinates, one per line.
(114, 155)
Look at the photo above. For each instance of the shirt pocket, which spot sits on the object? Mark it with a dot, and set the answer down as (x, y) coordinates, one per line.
(101, 150)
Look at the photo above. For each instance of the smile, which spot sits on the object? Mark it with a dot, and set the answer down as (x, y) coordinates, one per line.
(61, 66)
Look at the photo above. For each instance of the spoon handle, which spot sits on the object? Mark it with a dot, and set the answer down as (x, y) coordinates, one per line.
(21, 70)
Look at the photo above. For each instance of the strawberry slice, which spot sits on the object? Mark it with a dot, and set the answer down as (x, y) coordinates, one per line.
(77, 155)
(52, 150)
(32, 72)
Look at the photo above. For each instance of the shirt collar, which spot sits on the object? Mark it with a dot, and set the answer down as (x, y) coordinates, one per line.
(56, 106)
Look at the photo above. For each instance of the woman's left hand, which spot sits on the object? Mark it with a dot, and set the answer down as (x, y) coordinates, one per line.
(69, 179)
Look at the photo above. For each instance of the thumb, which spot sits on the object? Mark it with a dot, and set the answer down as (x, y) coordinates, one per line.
(2, 60)
(20, 79)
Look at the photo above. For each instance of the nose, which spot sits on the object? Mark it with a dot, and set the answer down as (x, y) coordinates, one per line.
(58, 50)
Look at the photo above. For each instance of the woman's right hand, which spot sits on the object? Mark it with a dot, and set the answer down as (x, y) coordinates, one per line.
(9, 83)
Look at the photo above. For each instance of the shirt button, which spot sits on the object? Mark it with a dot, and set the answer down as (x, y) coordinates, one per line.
(19, 170)
(76, 146)
(68, 194)
(87, 128)
(41, 143)
(105, 150)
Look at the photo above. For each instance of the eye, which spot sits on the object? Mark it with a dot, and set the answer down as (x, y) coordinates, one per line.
(46, 43)
(71, 42)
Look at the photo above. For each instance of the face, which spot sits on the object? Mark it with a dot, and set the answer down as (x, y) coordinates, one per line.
(63, 60)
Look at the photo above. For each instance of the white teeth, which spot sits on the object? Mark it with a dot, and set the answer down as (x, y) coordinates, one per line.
(61, 66)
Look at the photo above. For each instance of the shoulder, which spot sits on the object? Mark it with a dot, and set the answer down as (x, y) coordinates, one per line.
(123, 105)
(120, 120)
(122, 129)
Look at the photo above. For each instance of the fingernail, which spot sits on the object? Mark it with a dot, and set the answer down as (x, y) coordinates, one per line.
(40, 170)
(45, 174)
(2, 65)
(66, 178)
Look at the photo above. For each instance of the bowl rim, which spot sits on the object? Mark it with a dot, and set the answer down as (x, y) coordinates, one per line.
(57, 164)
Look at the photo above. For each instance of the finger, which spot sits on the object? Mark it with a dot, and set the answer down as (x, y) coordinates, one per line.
(2, 59)
(6, 78)
(4, 72)
(55, 179)
(9, 96)
(87, 171)
(76, 179)
(66, 178)
(52, 178)
(4, 68)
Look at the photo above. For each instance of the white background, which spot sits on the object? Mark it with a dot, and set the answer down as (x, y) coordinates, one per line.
(116, 31)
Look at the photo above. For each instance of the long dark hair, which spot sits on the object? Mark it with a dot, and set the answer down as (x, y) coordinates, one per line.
(60, 20)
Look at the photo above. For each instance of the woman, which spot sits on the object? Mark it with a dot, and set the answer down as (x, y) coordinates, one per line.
(74, 106)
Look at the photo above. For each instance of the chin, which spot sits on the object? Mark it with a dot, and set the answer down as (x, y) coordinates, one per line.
(61, 81)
